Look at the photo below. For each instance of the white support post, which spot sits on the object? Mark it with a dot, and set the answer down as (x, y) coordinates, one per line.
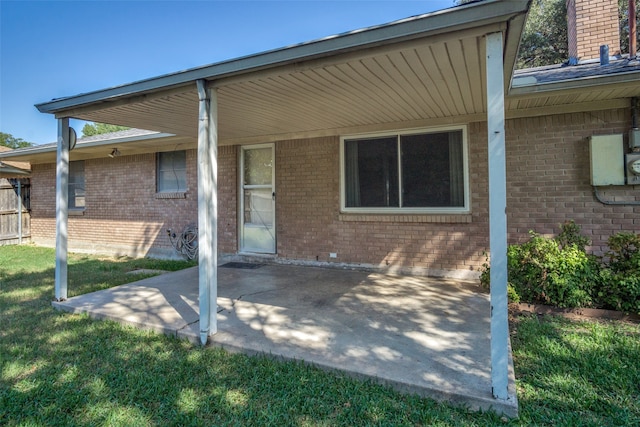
(497, 216)
(62, 209)
(207, 210)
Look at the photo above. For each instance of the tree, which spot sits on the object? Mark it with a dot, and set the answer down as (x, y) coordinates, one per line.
(10, 141)
(91, 129)
(623, 13)
(544, 38)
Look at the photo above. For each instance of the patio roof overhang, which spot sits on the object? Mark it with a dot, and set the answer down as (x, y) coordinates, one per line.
(131, 142)
(424, 70)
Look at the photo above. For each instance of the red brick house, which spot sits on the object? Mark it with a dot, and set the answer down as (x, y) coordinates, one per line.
(386, 148)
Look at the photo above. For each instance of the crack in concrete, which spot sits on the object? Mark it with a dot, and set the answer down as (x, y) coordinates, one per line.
(240, 297)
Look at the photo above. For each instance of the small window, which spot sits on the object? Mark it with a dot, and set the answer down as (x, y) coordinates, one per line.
(76, 185)
(172, 172)
(413, 172)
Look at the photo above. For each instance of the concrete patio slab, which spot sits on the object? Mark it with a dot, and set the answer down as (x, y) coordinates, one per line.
(420, 335)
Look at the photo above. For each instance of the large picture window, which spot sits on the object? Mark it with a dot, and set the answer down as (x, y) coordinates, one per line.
(408, 172)
(172, 172)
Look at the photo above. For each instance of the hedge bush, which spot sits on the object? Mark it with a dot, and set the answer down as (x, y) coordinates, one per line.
(558, 271)
(620, 279)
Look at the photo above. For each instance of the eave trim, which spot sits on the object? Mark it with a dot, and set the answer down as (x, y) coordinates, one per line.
(51, 148)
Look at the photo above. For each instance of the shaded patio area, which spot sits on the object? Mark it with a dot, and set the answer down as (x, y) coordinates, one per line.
(419, 335)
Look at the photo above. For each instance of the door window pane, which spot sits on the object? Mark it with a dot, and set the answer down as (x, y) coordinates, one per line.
(258, 207)
(371, 168)
(258, 166)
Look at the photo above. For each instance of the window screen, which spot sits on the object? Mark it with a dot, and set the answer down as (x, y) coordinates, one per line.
(172, 172)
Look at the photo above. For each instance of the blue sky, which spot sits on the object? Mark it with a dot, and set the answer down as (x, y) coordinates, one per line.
(53, 49)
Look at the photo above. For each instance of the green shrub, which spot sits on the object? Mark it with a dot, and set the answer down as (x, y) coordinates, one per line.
(543, 271)
(570, 234)
(558, 271)
(620, 284)
(550, 271)
(485, 278)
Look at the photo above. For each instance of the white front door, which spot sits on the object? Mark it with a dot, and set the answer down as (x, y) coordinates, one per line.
(257, 199)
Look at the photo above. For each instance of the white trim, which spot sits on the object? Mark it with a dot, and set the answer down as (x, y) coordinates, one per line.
(409, 211)
(83, 143)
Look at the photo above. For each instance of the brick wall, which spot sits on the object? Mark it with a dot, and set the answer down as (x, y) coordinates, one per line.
(549, 178)
(596, 24)
(548, 183)
(310, 225)
(227, 199)
(122, 213)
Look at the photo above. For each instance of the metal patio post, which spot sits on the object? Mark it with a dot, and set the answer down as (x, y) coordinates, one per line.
(207, 209)
(497, 216)
(62, 208)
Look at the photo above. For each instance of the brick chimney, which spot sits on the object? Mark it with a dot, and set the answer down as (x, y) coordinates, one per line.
(591, 24)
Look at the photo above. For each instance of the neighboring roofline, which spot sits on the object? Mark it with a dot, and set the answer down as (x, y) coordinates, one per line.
(443, 21)
(527, 85)
(113, 138)
(6, 169)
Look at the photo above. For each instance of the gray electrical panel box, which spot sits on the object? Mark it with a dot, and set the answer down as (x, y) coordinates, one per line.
(607, 160)
(634, 139)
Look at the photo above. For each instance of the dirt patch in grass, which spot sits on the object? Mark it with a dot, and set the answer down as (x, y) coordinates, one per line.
(574, 313)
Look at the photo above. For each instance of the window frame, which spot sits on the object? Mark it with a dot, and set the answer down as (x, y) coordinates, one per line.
(72, 184)
(465, 209)
(171, 191)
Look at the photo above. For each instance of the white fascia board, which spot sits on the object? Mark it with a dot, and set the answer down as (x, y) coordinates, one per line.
(51, 148)
(439, 22)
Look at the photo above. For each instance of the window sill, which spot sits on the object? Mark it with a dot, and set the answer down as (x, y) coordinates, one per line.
(411, 218)
(177, 195)
(75, 212)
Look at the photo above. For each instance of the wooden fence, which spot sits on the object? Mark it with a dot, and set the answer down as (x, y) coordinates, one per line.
(15, 220)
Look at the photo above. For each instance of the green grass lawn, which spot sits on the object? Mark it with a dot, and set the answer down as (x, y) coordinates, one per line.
(64, 369)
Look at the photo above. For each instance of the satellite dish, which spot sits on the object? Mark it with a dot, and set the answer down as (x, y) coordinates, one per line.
(72, 138)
